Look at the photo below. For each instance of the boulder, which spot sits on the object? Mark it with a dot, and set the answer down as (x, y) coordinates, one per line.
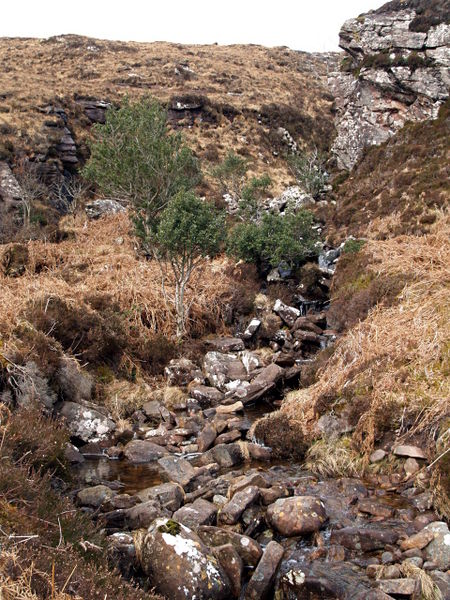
(87, 424)
(177, 470)
(226, 455)
(438, 550)
(200, 512)
(178, 563)
(247, 548)
(221, 369)
(152, 410)
(142, 515)
(169, 495)
(95, 496)
(410, 452)
(232, 511)
(261, 582)
(102, 207)
(233, 566)
(251, 329)
(365, 539)
(206, 396)
(206, 437)
(289, 314)
(143, 451)
(299, 515)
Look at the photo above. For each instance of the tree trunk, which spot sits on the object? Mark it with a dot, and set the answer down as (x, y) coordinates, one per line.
(180, 309)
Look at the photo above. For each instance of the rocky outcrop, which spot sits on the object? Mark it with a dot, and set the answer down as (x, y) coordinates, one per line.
(395, 71)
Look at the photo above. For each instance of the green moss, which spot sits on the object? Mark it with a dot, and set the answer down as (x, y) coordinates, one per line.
(353, 246)
(172, 527)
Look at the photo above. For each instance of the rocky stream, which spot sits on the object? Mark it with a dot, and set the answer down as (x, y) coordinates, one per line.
(196, 507)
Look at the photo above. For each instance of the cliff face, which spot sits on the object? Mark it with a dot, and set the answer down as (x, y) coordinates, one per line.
(396, 69)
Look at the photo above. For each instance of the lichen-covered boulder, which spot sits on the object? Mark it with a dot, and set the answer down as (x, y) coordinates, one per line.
(178, 563)
(297, 516)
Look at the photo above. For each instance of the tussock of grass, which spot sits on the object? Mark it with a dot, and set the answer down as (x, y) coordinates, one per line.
(334, 458)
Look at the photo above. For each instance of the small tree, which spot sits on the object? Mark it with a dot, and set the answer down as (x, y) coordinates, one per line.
(135, 158)
(308, 169)
(189, 230)
(69, 192)
(276, 238)
(231, 175)
(32, 189)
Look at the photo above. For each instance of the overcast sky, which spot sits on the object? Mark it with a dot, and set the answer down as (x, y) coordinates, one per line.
(311, 25)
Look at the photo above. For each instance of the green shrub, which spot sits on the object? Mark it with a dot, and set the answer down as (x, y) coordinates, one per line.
(352, 246)
(276, 238)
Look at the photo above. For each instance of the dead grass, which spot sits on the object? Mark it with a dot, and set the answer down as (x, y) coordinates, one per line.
(95, 275)
(236, 82)
(334, 457)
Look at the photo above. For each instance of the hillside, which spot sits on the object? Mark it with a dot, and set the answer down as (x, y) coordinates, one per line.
(230, 97)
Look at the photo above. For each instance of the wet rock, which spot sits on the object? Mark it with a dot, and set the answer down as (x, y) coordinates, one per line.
(178, 563)
(206, 396)
(200, 512)
(418, 540)
(228, 437)
(289, 314)
(232, 511)
(221, 368)
(226, 455)
(142, 515)
(364, 539)
(142, 451)
(73, 455)
(262, 580)
(372, 507)
(232, 565)
(102, 207)
(324, 580)
(438, 550)
(397, 587)
(87, 424)
(230, 408)
(244, 481)
(270, 495)
(251, 329)
(95, 496)
(299, 515)
(247, 548)
(206, 437)
(227, 344)
(169, 495)
(182, 371)
(410, 452)
(177, 470)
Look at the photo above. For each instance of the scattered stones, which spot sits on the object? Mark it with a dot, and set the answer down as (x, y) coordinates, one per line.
(221, 368)
(261, 582)
(182, 371)
(289, 314)
(297, 516)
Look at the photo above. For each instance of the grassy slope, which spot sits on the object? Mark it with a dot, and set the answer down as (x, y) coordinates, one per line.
(389, 372)
(250, 91)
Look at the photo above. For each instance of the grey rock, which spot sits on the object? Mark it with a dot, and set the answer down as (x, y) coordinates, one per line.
(247, 548)
(410, 451)
(261, 582)
(95, 496)
(289, 314)
(105, 206)
(142, 451)
(222, 368)
(178, 563)
(227, 344)
(182, 371)
(169, 495)
(438, 550)
(85, 423)
(299, 515)
(206, 396)
(232, 511)
(177, 470)
(200, 512)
